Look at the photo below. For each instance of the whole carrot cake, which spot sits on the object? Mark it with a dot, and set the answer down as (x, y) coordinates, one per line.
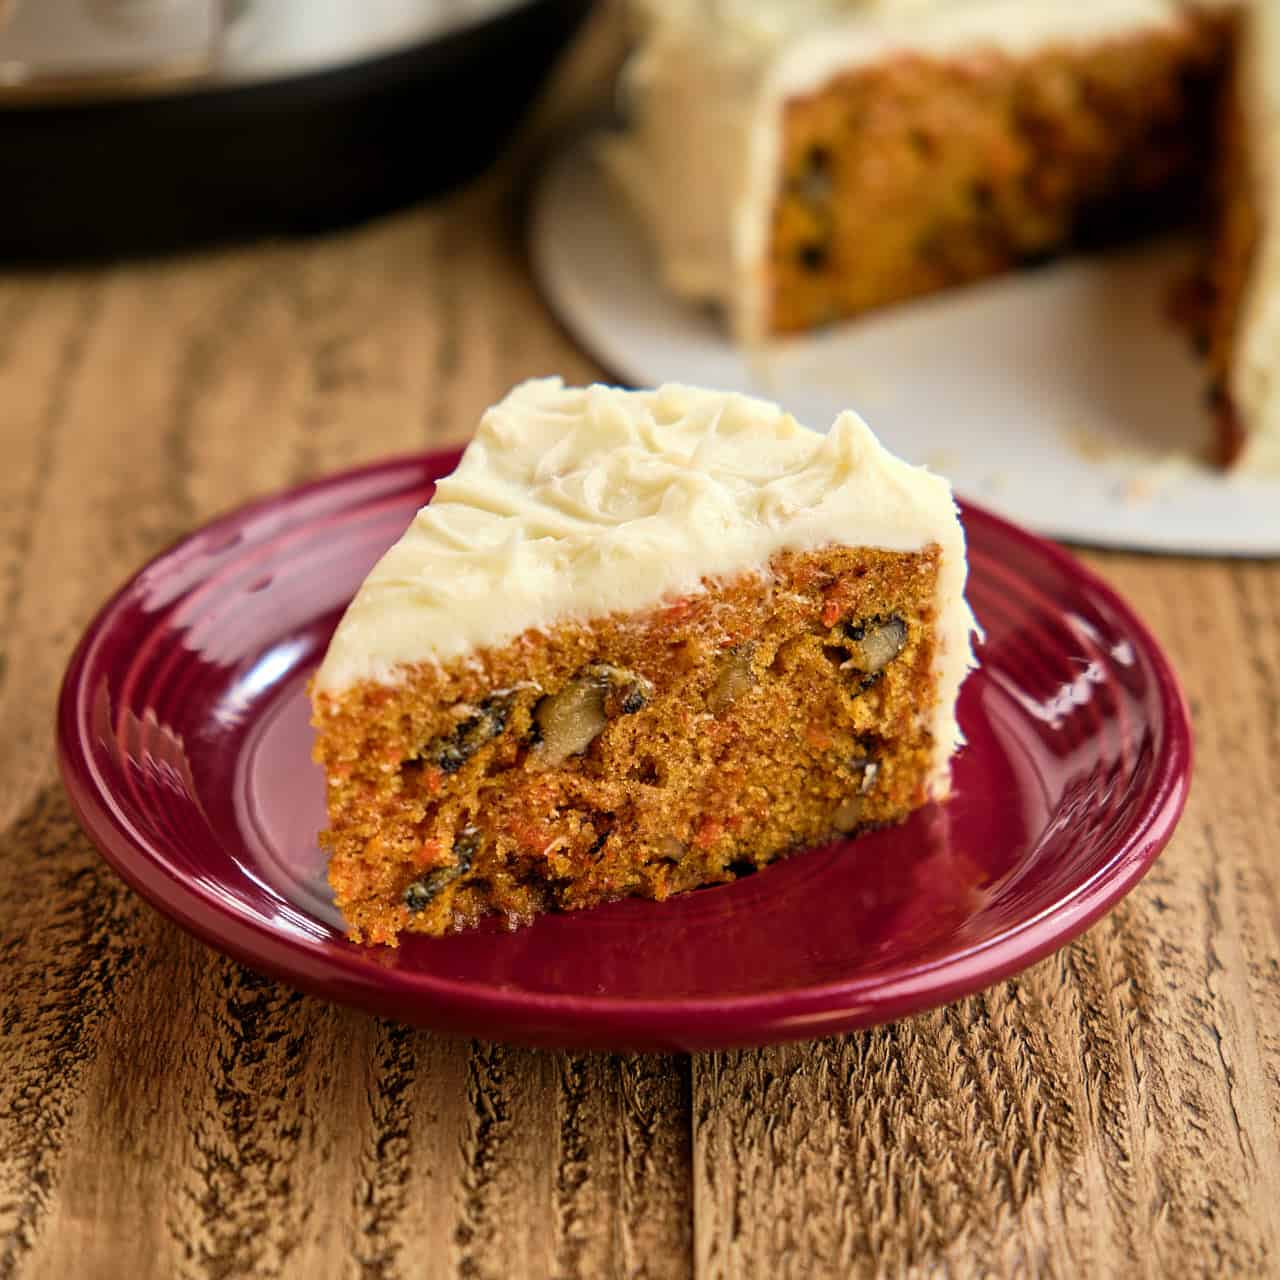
(835, 156)
(638, 642)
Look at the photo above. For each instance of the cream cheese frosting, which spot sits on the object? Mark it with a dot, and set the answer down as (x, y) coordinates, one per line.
(571, 503)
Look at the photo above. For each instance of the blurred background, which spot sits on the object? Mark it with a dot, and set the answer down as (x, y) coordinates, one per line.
(130, 126)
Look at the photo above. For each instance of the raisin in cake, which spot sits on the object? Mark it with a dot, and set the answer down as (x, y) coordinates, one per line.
(834, 156)
(637, 642)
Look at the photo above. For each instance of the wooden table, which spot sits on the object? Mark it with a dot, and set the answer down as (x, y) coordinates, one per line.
(164, 1112)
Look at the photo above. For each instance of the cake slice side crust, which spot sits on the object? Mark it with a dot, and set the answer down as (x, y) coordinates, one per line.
(644, 754)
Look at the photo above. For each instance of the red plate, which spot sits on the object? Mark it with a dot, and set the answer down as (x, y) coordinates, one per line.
(185, 748)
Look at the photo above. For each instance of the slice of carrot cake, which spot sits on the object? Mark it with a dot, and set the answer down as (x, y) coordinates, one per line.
(639, 641)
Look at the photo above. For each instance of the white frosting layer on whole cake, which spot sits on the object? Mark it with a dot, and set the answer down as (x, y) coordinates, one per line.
(1255, 380)
(573, 502)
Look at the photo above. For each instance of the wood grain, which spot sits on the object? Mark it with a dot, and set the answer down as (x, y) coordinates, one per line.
(163, 1112)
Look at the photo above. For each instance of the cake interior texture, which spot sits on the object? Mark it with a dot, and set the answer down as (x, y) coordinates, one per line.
(916, 173)
(639, 753)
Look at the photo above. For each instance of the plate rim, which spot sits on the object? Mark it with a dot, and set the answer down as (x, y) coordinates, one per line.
(547, 1018)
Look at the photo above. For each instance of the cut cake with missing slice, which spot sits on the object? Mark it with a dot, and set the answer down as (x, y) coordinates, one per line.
(837, 156)
(638, 642)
